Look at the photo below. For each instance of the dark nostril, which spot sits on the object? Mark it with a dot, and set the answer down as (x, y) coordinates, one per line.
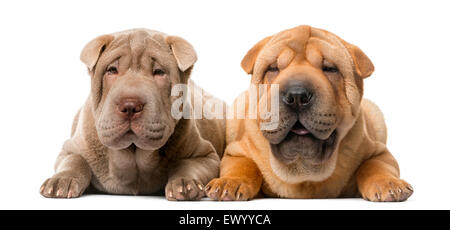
(298, 95)
(305, 98)
(289, 99)
(137, 108)
(130, 106)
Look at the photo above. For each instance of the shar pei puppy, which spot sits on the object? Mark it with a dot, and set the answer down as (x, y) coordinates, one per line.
(125, 139)
(328, 141)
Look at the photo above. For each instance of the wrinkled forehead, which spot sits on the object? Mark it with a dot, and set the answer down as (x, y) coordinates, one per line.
(138, 42)
(304, 43)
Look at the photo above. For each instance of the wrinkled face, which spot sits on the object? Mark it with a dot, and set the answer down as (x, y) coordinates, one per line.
(320, 90)
(131, 89)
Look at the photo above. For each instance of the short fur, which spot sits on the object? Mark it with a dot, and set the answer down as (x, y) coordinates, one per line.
(360, 165)
(152, 151)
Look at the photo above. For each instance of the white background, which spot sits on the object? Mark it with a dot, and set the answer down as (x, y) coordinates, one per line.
(43, 83)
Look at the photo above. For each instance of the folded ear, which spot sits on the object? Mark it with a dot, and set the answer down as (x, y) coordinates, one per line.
(183, 51)
(249, 60)
(92, 51)
(363, 65)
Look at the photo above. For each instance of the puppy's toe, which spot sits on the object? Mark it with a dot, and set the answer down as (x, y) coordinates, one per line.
(228, 189)
(184, 189)
(387, 189)
(61, 187)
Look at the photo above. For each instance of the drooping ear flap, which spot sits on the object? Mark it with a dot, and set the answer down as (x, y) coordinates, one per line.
(183, 51)
(92, 51)
(249, 60)
(363, 65)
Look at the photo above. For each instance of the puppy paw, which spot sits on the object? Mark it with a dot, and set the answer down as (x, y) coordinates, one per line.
(387, 189)
(61, 187)
(184, 189)
(228, 189)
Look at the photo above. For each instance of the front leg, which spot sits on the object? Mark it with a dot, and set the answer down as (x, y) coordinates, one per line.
(378, 179)
(71, 179)
(240, 179)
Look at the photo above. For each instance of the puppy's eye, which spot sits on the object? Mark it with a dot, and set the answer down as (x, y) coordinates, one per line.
(271, 72)
(158, 72)
(272, 68)
(112, 70)
(329, 67)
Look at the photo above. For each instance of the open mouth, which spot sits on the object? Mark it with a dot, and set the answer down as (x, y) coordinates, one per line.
(301, 143)
(299, 129)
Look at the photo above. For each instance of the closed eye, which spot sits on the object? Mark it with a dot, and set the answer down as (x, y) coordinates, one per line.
(271, 72)
(272, 69)
(330, 69)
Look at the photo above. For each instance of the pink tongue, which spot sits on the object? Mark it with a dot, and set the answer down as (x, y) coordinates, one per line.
(300, 131)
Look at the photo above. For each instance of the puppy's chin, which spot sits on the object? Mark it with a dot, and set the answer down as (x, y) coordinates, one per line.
(305, 147)
(150, 144)
(304, 157)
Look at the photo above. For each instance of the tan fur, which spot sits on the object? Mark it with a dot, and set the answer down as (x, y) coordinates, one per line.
(181, 161)
(361, 164)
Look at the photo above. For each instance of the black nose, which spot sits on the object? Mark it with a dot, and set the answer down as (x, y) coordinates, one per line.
(298, 96)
